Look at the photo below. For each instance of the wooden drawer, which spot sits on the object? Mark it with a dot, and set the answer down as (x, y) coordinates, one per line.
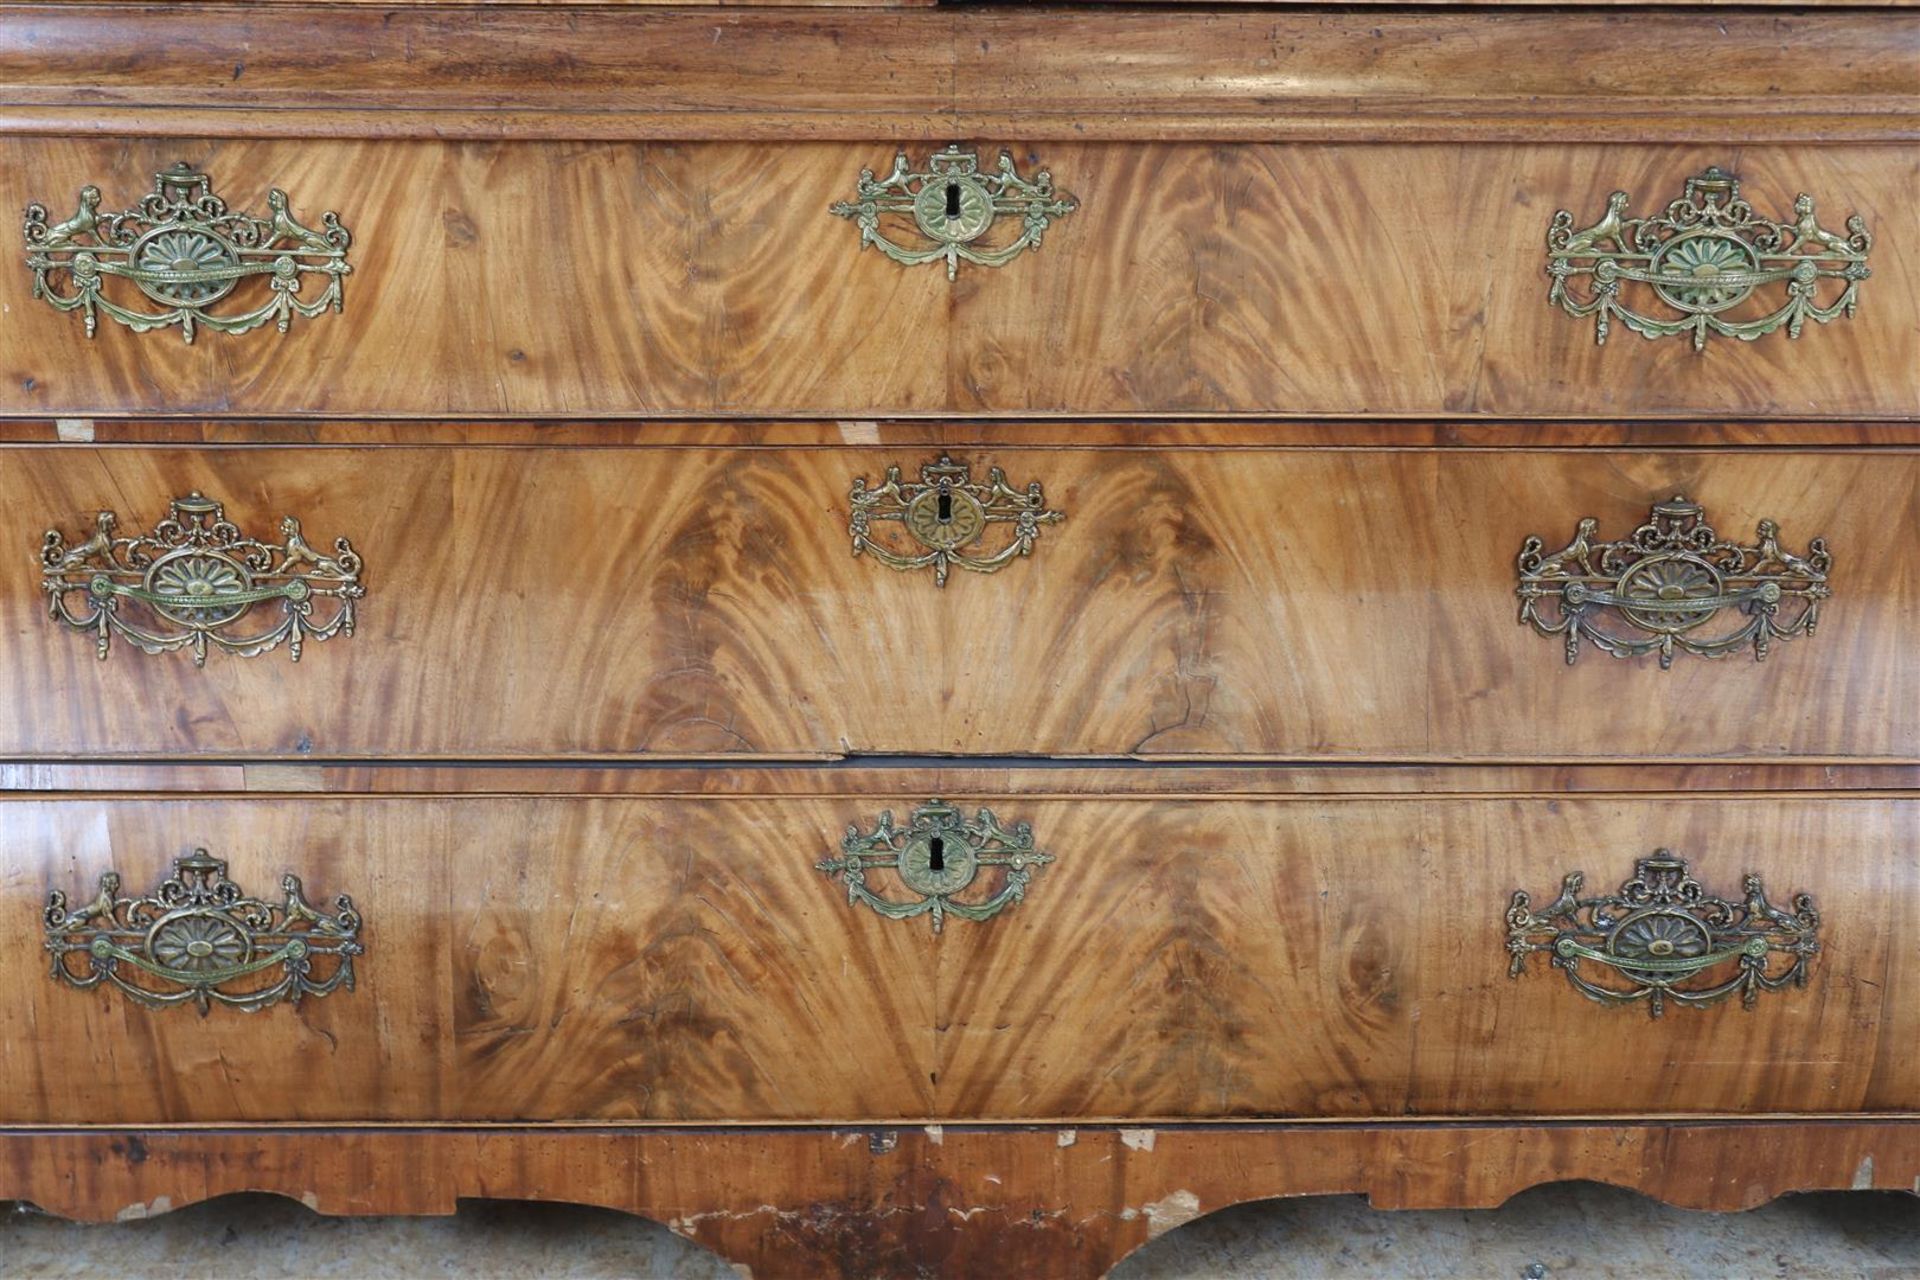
(682, 958)
(1195, 601)
(711, 278)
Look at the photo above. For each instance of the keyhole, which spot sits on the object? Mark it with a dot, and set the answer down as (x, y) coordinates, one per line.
(953, 201)
(945, 508)
(937, 854)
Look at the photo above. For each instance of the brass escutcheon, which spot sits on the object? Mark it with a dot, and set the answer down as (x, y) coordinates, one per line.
(938, 855)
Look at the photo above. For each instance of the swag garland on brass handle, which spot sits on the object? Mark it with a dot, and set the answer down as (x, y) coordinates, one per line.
(952, 205)
(937, 855)
(1661, 938)
(183, 249)
(947, 513)
(187, 582)
(1704, 258)
(1659, 589)
(199, 939)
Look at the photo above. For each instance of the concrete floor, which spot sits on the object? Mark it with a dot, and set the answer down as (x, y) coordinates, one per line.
(1572, 1231)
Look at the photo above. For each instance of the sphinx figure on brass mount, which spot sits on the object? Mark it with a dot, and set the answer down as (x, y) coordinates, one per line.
(937, 855)
(953, 205)
(1659, 589)
(947, 513)
(1704, 258)
(183, 249)
(1661, 932)
(188, 582)
(199, 939)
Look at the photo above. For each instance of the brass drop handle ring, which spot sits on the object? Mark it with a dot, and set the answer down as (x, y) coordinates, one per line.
(195, 581)
(1664, 588)
(199, 939)
(186, 252)
(1701, 261)
(1662, 931)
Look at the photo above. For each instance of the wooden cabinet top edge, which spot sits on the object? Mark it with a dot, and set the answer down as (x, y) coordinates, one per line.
(905, 75)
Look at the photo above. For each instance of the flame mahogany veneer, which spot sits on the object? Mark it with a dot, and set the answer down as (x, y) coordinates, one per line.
(606, 374)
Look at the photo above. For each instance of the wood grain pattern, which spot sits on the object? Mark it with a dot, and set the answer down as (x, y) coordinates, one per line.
(1295, 959)
(575, 958)
(878, 1204)
(658, 280)
(933, 75)
(1197, 603)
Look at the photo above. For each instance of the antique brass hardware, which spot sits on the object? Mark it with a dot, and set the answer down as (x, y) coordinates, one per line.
(1664, 939)
(1705, 257)
(1662, 587)
(199, 939)
(183, 249)
(190, 580)
(947, 514)
(953, 205)
(937, 855)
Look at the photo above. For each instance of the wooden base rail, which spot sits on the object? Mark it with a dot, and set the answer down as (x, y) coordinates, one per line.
(955, 1200)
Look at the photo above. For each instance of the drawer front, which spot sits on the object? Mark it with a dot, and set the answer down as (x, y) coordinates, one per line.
(686, 959)
(1184, 602)
(699, 976)
(637, 279)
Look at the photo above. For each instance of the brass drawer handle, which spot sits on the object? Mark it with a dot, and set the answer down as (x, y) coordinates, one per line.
(191, 580)
(953, 205)
(199, 939)
(937, 855)
(183, 249)
(1660, 932)
(947, 514)
(1662, 586)
(1702, 258)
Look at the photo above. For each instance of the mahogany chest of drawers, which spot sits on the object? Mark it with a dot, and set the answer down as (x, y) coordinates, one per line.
(932, 640)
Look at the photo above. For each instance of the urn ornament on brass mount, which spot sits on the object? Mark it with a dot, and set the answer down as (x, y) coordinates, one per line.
(1662, 588)
(1705, 260)
(186, 252)
(193, 580)
(1663, 938)
(199, 939)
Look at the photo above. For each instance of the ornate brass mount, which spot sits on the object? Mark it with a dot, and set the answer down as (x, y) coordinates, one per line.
(947, 513)
(192, 578)
(953, 205)
(199, 939)
(1663, 585)
(1664, 939)
(182, 248)
(1703, 258)
(937, 855)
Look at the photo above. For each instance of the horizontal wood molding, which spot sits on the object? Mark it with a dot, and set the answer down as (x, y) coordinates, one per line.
(857, 778)
(784, 75)
(1215, 433)
(875, 1204)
